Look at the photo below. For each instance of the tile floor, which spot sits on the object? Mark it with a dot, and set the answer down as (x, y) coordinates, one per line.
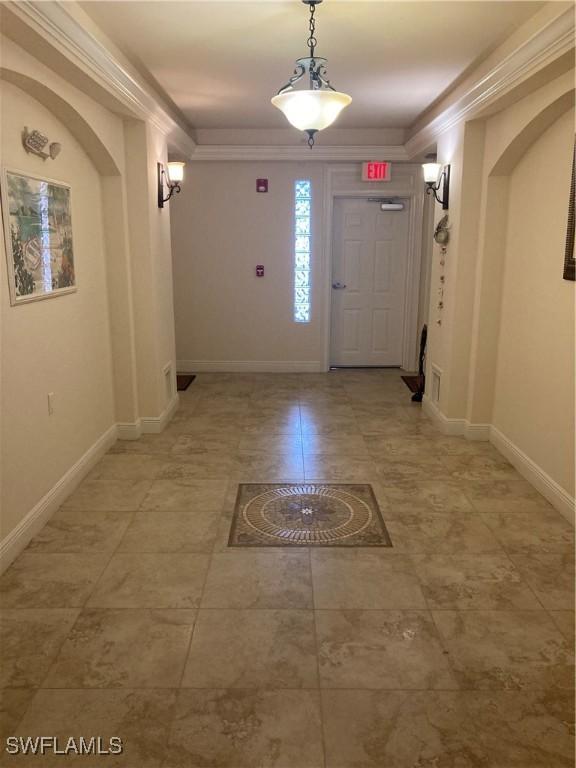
(128, 615)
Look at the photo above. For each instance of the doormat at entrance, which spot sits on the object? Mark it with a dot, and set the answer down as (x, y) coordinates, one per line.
(307, 515)
(183, 381)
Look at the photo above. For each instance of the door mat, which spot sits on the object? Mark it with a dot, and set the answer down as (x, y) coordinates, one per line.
(307, 515)
(183, 381)
(412, 382)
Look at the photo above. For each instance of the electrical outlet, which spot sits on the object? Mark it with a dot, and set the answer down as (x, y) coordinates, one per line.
(50, 403)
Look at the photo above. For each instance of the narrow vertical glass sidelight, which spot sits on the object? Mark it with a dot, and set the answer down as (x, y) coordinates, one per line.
(302, 249)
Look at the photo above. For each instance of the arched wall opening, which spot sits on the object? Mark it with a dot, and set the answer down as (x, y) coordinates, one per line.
(522, 357)
(78, 346)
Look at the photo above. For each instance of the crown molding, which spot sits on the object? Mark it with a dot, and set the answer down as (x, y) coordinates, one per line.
(543, 48)
(212, 152)
(53, 21)
(59, 28)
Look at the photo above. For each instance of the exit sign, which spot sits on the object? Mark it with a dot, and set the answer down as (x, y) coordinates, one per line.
(376, 170)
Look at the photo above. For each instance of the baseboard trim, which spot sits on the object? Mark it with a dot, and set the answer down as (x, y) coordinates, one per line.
(130, 430)
(153, 425)
(536, 476)
(446, 425)
(20, 536)
(250, 366)
(477, 431)
(457, 427)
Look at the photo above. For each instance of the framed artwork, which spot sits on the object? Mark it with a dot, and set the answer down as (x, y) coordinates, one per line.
(569, 255)
(38, 235)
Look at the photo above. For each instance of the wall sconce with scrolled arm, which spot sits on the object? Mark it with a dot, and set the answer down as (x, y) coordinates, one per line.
(170, 179)
(435, 179)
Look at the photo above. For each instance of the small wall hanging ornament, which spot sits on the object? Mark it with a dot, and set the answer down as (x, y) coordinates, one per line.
(34, 143)
(441, 233)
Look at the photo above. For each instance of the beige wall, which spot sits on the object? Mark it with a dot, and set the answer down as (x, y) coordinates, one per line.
(221, 229)
(534, 392)
(505, 345)
(226, 317)
(103, 349)
(59, 345)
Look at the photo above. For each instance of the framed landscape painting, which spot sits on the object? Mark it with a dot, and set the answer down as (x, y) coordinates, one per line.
(38, 234)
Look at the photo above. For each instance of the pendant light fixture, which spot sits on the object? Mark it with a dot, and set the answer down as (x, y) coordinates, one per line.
(316, 107)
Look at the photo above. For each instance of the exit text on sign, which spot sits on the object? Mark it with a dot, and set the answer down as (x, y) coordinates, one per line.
(376, 170)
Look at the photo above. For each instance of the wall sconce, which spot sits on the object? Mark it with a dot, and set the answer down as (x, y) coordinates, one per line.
(170, 179)
(434, 182)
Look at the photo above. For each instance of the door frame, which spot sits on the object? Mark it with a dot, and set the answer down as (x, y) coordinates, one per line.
(404, 188)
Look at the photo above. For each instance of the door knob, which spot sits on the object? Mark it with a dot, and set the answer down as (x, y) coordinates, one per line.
(338, 285)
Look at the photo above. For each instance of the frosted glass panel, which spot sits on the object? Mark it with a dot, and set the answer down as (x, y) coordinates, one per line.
(302, 250)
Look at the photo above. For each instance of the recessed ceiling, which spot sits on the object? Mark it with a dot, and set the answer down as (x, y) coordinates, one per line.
(221, 62)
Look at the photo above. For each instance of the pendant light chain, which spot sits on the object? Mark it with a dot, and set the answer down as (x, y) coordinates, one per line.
(312, 41)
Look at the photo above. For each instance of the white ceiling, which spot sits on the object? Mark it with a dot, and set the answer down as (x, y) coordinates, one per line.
(220, 62)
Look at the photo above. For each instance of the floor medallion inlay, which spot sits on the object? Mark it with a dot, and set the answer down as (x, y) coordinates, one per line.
(307, 514)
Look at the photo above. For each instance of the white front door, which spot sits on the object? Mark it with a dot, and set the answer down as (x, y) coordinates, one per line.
(369, 260)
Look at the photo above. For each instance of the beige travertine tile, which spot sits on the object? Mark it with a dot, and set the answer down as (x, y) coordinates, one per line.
(403, 473)
(453, 508)
(167, 531)
(504, 491)
(452, 445)
(186, 494)
(361, 579)
(13, 704)
(257, 466)
(73, 531)
(472, 581)
(506, 649)
(252, 649)
(202, 467)
(191, 445)
(348, 445)
(38, 580)
(399, 729)
(325, 412)
(203, 427)
(551, 576)
(528, 729)
(381, 649)
(245, 729)
(29, 642)
(172, 580)
(124, 649)
(402, 449)
(117, 495)
(258, 579)
(420, 531)
(223, 405)
(329, 427)
(438, 495)
(140, 718)
(147, 444)
(125, 467)
(477, 466)
(286, 408)
(564, 620)
(335, 468)
(529, 532)
(269, 444)
(207, 424)
(118, 483)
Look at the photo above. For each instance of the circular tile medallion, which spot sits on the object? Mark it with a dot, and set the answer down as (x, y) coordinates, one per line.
(307, 513)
